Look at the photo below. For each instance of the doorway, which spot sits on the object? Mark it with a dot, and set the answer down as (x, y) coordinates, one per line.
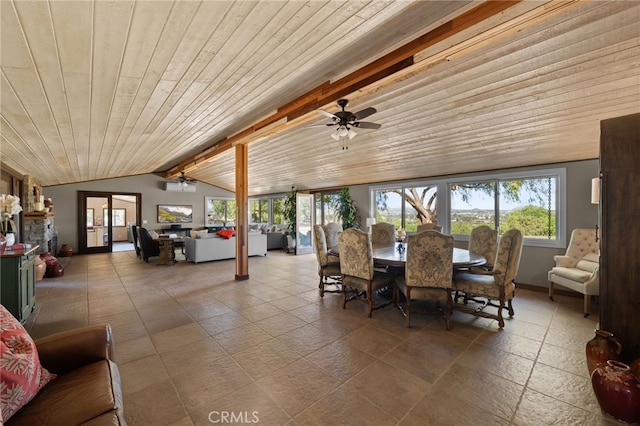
(105, 218)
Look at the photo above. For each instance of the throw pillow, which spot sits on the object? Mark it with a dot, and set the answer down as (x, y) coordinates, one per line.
(226, 233)
(21, 375)
(154, 235)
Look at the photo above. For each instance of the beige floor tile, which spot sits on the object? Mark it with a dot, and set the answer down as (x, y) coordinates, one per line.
(441, 341)
(564, 359)
(511, 343)
(306, 339)
(418, 361)
(344, 407)
(437, 408)
(134, 349)
(341, 359)
(280, 324)
(297, 386)
(372, 341)
(222, 323)
(158, 404)
(260, 312)
(195, 356)
(566, 387)
(481, 389)
(142, 373)
(389, 388)
(249, 405)
(178, 337)
(496, 361)
(264, 358)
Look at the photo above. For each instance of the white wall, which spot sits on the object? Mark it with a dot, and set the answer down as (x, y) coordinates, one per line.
(65, 201)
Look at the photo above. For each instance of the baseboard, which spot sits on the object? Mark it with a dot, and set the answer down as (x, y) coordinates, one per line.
(556, 291)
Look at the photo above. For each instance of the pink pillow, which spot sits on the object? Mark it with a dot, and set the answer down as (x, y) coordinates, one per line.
(21, 376)
(226, 233)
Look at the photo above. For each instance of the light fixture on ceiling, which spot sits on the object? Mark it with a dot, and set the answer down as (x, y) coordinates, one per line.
(344, 133)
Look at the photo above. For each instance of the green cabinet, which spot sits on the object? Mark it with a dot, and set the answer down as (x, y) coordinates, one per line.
(18, 282)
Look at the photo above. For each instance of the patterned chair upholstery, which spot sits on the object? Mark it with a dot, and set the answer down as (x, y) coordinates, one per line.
(428, 272)
(383, 234)
(429, 227)
(484, 241)
(356, 265)
(331, 231)
(328, 266)
(495, 285)
(579, 268)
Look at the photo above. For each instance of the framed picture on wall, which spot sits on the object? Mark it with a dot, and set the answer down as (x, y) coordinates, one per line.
(171, 213)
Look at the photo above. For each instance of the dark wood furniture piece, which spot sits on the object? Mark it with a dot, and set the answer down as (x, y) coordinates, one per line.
(18, 282)
(620, 232)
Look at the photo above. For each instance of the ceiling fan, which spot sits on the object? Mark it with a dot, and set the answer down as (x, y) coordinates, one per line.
(345, 121)
(184, 180)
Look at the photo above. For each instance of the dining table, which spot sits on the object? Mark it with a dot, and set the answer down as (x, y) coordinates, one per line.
(396, 257)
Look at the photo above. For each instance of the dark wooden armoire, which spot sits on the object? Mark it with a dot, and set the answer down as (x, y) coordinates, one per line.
(620, 231)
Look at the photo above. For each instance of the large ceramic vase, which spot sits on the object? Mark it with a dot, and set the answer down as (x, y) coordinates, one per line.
(41, 268)
(603, 347)
(617, 391)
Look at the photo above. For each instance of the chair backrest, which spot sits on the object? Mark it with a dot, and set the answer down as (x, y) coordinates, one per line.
(508, 258)
(429, 260)
(321, 245)
(429, 227)
(356, 254)
(331, 231)
(383, 234)
(583, 242)
(484, 241)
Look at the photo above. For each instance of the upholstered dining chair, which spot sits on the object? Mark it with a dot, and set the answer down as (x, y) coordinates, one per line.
(356, 266)
(428, 273)
(383, 234)
(429, 227)
(328, 269)
(579, 268)
(484, 241)
(331, 231)
(148, 246)
(492, 286)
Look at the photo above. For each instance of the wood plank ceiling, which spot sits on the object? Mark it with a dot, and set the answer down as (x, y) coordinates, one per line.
(101, 89)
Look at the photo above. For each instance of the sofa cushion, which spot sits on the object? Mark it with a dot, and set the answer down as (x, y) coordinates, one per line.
(21, 375)
(226, 233)
(76, 397)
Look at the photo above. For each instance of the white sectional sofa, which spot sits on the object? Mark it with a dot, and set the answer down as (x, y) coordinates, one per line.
(208, 247)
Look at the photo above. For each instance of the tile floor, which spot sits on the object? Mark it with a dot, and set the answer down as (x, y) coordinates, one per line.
(193, 344)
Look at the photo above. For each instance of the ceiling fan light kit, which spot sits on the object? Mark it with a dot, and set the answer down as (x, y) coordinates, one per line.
(346, 120)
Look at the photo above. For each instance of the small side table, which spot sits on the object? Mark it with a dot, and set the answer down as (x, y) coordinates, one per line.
(167, 254)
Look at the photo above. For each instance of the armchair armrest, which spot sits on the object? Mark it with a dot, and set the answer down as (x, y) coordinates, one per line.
(66, 351)
(565, 261)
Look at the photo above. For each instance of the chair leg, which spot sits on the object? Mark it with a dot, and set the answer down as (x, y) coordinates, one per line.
(321, 286)
(551, 290)
(408, 310)
(587, 305)
(449, 308)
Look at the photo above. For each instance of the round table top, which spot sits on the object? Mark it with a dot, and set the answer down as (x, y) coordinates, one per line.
(391, 256)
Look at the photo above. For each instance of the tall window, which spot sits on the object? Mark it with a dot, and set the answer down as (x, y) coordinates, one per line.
(406, 206)
(220, 211)
(528, 203)
(326, 207)
(277, 211)
(259, 211)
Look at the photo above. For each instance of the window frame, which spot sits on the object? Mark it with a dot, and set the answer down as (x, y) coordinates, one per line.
(443, 204)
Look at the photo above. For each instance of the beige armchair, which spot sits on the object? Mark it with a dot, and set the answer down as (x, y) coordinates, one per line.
(578, 269)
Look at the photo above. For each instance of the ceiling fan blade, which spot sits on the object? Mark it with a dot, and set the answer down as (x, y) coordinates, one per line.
(366, 125)
(365, 113)
(328, 114)
(322, 125)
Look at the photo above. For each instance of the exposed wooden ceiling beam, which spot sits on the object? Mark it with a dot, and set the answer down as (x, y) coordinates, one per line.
(388, 69)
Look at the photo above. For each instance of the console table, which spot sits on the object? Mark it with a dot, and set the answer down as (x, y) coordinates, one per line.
(18, 282)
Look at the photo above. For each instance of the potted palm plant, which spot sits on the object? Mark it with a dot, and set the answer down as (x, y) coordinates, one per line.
(289, 213)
